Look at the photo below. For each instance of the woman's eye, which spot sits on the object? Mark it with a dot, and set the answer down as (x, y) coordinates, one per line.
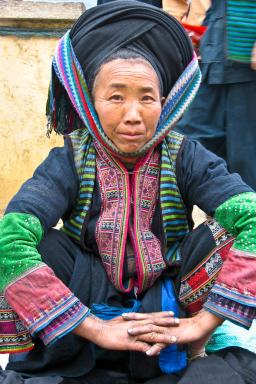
(116, 98)
(148, 98)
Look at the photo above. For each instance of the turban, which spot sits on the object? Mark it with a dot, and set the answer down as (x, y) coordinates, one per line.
(142, 28)
(99, 33)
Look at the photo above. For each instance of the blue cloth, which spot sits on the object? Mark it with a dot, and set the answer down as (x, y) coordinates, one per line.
(106, 312)
(171, 359)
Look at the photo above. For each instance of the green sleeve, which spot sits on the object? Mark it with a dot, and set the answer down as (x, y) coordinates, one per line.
(238, 216)
(19, 236)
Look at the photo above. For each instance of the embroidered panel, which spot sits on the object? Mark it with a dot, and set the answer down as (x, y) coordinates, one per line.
(196, 285)
(145, 187)
(33, 303)
(114, 224)
(14, 336)
(237, 278)
(172, 207)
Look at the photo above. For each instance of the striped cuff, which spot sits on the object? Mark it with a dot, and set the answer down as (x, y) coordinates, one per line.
(44, 304)
(224, 307)
(64, 323)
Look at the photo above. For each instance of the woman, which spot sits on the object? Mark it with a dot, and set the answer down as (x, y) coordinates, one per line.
(125, 185)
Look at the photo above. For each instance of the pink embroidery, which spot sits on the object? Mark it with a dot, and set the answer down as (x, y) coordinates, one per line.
(238, 275)
(39, 297)
(113, 224)
(150, 263)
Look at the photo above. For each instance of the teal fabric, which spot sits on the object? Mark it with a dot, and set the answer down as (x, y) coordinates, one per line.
(241, 29)
(231, 335)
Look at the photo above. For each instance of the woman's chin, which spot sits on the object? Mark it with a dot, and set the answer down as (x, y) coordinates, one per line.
(130, 148)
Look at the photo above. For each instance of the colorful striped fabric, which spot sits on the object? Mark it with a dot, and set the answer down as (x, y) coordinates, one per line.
(241, 29)
(85, 161)
(173, 211)
(14, 337)
(69, 73)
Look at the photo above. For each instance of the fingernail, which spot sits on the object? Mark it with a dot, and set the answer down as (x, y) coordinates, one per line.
(125, 314)
(171, 313)
(176, 321)
(149, 352)
(130, 330)
(173, 339)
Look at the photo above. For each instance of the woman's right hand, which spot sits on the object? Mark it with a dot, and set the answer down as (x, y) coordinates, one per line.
(114, 334)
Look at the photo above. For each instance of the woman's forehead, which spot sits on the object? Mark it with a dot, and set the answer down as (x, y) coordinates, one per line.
(123, 73)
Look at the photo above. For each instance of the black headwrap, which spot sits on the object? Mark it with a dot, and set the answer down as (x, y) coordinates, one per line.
(140, 27)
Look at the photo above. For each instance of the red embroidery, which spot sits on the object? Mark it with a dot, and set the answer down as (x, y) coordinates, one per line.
(117, 195)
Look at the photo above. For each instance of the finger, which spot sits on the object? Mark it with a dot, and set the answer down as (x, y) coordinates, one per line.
(140, 346)
(156, 349)
(144, 329)
(137, 330)
(165, 322)
(154, 338)
(162, 322)
(146, 316)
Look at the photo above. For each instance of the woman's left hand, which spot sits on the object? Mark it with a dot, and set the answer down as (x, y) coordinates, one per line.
(194, 330)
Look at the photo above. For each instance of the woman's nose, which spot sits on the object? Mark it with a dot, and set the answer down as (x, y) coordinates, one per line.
(132, 113)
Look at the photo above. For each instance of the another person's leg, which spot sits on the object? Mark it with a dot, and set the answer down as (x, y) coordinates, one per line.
(205, 119)
(241, 130)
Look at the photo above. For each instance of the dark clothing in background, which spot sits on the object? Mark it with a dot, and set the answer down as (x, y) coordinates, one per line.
(222, 115)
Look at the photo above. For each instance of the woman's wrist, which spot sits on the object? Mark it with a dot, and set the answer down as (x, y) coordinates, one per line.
(208, 321)
(90, 328)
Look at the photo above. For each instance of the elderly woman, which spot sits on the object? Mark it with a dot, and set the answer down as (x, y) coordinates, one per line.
(115, 296)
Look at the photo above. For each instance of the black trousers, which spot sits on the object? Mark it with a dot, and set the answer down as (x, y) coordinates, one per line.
(231, 365)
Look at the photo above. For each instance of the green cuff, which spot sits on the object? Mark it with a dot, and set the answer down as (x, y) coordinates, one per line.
(20, 234)
(238, 216)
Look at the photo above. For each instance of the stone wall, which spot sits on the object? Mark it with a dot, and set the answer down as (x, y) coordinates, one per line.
(29, 32)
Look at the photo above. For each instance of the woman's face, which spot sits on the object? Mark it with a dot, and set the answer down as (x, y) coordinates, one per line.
(127, 100)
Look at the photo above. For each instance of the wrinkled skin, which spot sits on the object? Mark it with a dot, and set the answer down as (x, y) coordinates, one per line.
(127, 99)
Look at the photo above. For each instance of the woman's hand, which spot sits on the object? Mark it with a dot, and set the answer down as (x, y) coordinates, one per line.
(194, 330)
(115, 334)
